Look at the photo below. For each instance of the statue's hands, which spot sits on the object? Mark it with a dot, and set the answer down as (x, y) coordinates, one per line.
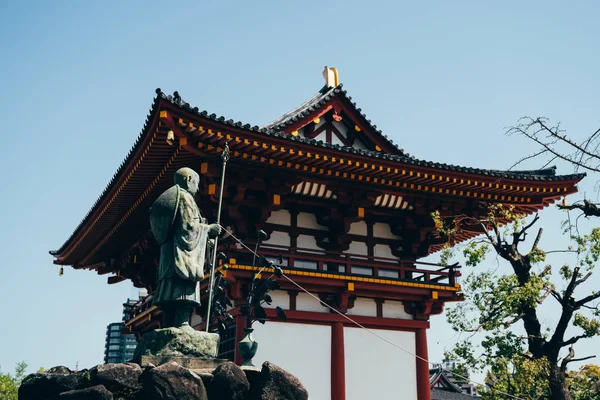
(215, 229)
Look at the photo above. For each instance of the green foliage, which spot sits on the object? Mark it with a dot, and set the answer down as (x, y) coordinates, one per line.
(590, 326)
(9, 385)
(519, 376)
(588, 248)
(475, 253)
(516, 355)
(585, 383)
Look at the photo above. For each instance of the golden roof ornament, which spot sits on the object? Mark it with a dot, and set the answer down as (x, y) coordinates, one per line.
(331, 76)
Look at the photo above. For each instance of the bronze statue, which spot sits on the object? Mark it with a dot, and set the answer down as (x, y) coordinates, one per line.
(182, 233)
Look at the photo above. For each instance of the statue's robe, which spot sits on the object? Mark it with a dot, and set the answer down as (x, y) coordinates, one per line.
(182, 256)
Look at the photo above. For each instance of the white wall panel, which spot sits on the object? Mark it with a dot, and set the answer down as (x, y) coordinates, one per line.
(377, 370)
(358, 228)
(307, 242)
(306, 220)
(303, 350)
(364, 307)
(280, 217)
(280, 298)
(359, 248)
(278, 238)
(381, 230)
(383, 250)
(395, 309)
(304, 302)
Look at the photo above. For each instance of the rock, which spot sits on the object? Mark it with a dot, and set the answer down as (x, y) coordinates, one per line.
(120, 379)
(229, 383)
(97, 392)
(184, 341)
(172, 382)
(252, 374)
(206, 376)
(47, 385)
(274, 383)
(58, 370)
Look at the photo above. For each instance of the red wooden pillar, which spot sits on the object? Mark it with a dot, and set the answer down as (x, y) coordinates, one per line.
(423, 389)
(240, 324)
(338, 363)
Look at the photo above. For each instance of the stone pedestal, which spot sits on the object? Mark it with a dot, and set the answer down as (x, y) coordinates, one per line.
(185, 342)
(185, 361)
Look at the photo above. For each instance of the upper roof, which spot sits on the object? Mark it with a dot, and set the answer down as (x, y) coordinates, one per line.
(148, 167)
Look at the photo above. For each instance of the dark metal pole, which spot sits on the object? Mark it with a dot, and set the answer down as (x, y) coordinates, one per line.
(225, 157)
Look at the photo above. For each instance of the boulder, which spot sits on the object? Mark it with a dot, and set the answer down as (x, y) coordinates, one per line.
(229, 383)
(49, 384)
(58, 370)
(120, 379)
(274, 383)
(97, 392)
(206, 376)
(172, 382)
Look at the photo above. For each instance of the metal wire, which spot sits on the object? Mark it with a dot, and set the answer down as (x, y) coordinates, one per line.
(466, 378)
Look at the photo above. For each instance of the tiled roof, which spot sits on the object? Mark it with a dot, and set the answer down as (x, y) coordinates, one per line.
(319, 100)
(438, 394)
(274, 129)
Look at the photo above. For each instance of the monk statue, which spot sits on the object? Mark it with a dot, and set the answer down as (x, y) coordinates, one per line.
(182, 233)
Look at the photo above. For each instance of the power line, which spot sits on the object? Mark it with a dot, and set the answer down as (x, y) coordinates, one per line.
(466, 378)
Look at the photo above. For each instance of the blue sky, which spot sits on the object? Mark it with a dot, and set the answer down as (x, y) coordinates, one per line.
(77, 79)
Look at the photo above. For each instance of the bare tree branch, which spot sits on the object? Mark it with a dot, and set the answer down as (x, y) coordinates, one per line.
(587, 299)
(588, 208)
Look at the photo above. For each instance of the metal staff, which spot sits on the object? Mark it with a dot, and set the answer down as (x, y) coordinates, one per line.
(225, 157)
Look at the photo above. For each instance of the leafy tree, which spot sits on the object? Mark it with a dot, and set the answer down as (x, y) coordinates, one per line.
(585, 383)
(9, 385)
(503, 308)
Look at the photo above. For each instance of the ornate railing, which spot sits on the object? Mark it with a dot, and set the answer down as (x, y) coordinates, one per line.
(355, 264)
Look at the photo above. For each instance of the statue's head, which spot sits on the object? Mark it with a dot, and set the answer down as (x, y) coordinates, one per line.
(188, 179)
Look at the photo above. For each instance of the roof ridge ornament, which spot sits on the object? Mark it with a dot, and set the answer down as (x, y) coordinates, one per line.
(331, 77)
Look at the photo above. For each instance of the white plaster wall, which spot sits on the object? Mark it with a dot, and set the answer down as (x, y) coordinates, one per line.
(304, 302)
(359, 248)
(280, 298)
(280, 217)
(359, 145)
(306, 220)
(377, 370)
(278, 238)
(307, 242)
(381, 230)
(321, 136)
(303, 350)
(336, 140)
(358, 228)
(395, 309)
(364, 307)
(341, 128)
(383, 250)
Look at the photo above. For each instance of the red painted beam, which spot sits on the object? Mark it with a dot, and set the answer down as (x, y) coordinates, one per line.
(423, 389)
(317, 318)
(338, 362)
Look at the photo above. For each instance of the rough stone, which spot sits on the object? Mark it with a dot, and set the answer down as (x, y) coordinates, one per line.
(120, 379)
(172, 382)
(47, 385)
(206, 376)
(274, 383)
(252, 374)
(229, 383)
(58, 370)
(97, 392)
(184, 361)
(184, 341)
